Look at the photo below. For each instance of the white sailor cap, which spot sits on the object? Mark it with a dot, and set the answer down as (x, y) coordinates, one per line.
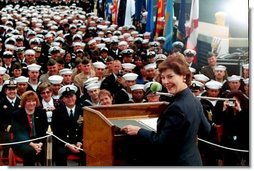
(122, 43)
(29, 52)
(137, 87)
(134, 32)
(144, 13)
(246, 81)
(77, 36)
(106, 40)
(34, 41)
(234, 78)
(55, 44)
(101, 45)
(189, 52)
(145, 41)
(130, 76)
(33, 67)
(65, 71)
(132, 27)
(150, 66)
(99, 65)
(220, 68)
(130, 39)
(91, 42)
(55, 79)
(21, 79)
(10, 46)
(2, 70)
(104, 49)
(147, 34)
(245, 66)
(74, 44)
(48, 35)
(92, 86)
(193, 70)
(80, 50)
(72, 26)
(213, 84)
(201, 77)
(67, 90)
(128, 66)
(91, 80)
(161, 38)
(126, 35)
(53, 27)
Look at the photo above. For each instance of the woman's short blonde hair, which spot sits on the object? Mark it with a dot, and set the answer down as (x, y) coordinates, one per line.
(29, 95)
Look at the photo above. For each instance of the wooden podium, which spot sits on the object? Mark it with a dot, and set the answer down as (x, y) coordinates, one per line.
(104, 144)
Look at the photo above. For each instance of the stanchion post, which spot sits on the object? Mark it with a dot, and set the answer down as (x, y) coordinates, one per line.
(49, 148)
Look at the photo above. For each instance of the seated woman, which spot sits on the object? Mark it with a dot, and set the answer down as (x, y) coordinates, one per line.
(105, 97)
(27, 123)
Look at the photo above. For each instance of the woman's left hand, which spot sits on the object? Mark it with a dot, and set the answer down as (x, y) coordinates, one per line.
(131, 129)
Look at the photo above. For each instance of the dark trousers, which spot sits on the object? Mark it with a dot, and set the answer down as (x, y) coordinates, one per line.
(60, 154)
(28, 154)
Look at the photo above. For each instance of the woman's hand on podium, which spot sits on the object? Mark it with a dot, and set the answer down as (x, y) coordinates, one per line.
(130, 129)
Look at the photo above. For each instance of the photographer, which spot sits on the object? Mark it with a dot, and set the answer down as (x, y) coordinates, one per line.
(235, 120)
(114, 81)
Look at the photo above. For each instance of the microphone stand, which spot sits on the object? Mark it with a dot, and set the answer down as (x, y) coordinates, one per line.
(164, 94)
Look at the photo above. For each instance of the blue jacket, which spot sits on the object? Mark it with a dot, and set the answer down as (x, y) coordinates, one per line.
(178, 127)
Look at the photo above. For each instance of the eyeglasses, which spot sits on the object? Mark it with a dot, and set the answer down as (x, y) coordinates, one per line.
(45, 92)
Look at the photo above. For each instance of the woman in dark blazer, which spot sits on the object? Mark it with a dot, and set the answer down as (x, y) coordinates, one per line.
(27, 123)
(175, 141)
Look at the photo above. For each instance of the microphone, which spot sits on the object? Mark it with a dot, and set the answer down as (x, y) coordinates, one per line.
(156, 87)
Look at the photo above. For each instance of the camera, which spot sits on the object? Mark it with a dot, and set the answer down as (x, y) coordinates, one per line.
(120, 73)
(231, 103)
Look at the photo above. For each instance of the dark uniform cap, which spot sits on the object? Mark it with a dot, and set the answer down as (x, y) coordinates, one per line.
(178, 44)
(138, 40)
(37, 49)
(189, 52)
(195, 85)
(127, 52)
(154, 44)
(10, 84)
(161, 39)
(7, 54)
(151, 54)
(67, 90)
(109, 59)
(20, 49)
